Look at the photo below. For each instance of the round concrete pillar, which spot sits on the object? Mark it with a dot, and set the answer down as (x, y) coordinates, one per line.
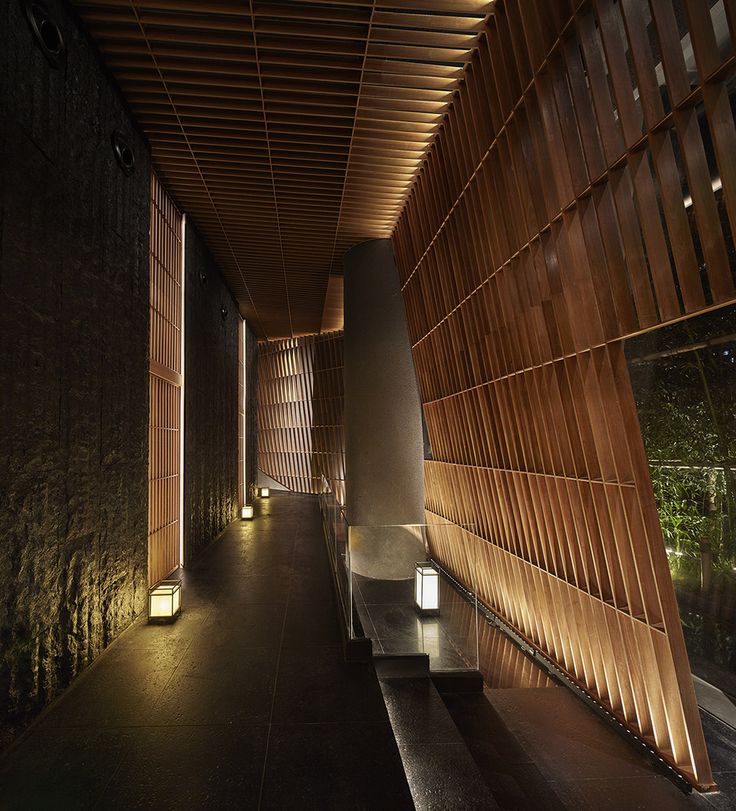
(384, 471)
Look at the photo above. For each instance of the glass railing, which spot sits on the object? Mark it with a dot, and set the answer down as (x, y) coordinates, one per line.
(392, 588)
(407, 603)
(335, 529)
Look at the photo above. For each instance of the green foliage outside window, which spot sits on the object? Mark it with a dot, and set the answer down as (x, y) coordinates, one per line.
(687, 410)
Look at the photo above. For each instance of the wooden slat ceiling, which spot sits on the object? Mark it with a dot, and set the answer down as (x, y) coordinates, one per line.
(288, 131)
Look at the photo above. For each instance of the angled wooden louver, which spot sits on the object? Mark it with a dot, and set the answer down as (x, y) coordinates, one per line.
(300, 413)
(581, 190)
(287, 131)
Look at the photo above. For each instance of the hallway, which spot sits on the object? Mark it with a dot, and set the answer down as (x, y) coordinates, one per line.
(245, 702)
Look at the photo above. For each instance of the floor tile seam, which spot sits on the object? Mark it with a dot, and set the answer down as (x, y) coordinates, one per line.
(127, 758)
(353, 723)
(177, 666)
(98, 801)
(80, 681)
(275, 684)
(213, 725)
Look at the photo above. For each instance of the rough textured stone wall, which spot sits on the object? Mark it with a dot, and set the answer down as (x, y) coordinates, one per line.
(74, 284)
(210, 400)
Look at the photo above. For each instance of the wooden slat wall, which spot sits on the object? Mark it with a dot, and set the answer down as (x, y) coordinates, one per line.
(165, 386)
(243, 496)
(328, 433)
(568, 202)
(300, 412)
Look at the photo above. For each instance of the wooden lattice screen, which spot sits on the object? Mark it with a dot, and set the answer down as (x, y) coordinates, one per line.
(165, 386)
(300, 412)
(581, 190)
(243, 495)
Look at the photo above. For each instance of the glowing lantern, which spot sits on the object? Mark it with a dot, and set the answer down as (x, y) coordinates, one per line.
(427, 588)
(164, 601)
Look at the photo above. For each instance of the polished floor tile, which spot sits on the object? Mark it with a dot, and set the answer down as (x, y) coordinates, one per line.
(62, 768)
(193, 768)
(357, 765)
(317, 686)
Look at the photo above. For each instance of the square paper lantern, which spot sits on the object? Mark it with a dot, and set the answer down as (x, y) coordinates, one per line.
(164, 601)
(427, 589)
(247, 511)
(265, 492)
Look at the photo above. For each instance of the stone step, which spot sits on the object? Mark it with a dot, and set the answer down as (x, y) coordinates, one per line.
(441, 772)
(401, 665)
(457, 681)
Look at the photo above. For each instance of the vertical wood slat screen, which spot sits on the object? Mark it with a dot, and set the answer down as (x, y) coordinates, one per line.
(165, 386)
(300, 412)
(582, 189)
(242, 494)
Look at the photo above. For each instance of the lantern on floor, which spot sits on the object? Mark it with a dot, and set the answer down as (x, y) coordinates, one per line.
(164, 601)
(427, 589)
(246, 511)
(264, 492)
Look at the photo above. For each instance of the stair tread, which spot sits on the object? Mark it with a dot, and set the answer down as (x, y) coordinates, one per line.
(441, 771)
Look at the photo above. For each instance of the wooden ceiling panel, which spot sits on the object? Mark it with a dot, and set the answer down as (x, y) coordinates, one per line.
(288, 131)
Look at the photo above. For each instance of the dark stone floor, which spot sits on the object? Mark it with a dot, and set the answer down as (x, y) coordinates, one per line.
(246, 702)
(389, 617)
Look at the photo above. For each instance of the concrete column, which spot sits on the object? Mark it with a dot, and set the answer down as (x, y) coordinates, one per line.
(384, 469)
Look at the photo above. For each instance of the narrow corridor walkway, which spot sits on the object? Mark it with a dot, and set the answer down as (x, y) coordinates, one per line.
(245, 702)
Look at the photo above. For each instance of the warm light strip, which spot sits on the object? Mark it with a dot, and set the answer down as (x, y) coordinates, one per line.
(245, 413)
(181, 391)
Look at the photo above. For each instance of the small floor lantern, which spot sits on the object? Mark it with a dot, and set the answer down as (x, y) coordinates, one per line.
(427, 589)
(246, 512)
(164, 601)
(265, 492)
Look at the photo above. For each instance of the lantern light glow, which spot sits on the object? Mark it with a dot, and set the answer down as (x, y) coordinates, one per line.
(164, 601)
(427, 588)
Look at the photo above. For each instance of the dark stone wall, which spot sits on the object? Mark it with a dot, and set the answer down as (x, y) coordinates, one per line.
(251, 410)
(211, 400)
(73, 367)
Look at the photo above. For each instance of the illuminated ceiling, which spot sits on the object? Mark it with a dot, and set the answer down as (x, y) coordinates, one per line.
(287, 131)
